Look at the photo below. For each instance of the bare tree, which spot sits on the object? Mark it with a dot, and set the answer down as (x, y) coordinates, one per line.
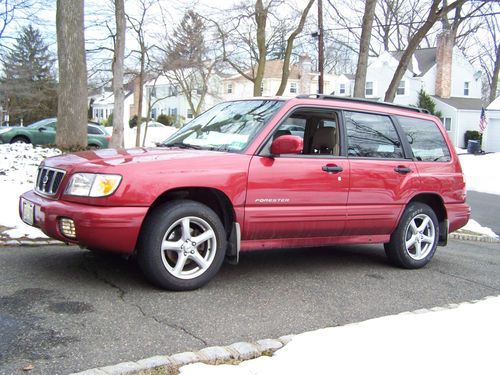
(189, 63)
(435, 13)
(117, 140)
(247, 41)
(364, 45)
(72, 99)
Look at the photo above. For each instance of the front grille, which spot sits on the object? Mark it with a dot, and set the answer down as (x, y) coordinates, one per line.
(48, 180)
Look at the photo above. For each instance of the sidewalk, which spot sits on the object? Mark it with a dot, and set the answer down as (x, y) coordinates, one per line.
(456, 339)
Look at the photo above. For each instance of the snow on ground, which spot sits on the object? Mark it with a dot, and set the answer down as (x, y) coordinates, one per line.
(462, 340)
(474, 226)
(482, 172)
(19, 162)
(18, 169)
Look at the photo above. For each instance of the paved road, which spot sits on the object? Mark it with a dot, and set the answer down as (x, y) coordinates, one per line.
(64, 309)
(485, 209)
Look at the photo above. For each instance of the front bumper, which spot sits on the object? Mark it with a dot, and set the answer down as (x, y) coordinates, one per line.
(114, 229)
(458, 215)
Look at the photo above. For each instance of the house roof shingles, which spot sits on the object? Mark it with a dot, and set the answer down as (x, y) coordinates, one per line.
(426, 59)
(462, 103)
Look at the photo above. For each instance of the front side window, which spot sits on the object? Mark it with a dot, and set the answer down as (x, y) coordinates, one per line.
(369, 88)
(427, 142)
(401, 88)
(229, 126)
(372, 136)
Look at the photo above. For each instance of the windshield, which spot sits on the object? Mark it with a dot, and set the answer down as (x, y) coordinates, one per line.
(42, 122)
(229, 126)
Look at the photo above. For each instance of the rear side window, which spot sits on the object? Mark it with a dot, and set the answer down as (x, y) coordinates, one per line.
(427, 142)
(371, 136)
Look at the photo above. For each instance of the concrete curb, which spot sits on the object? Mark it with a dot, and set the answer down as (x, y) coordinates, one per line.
(217, 355)
(214, 355)
(30, 242)
(472, 237)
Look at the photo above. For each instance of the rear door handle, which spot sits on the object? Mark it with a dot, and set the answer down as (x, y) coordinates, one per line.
(402, 169)
(332, 168)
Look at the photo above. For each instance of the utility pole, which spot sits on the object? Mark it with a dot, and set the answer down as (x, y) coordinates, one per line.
(320, 48)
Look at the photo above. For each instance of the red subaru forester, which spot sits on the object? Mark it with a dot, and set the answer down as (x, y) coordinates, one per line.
(260, 174)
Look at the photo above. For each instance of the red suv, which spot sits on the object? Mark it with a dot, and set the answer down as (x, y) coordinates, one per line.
(263, 173)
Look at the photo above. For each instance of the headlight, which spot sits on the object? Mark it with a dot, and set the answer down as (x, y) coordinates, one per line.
(93, 185)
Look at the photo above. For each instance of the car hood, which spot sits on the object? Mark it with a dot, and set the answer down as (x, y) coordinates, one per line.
(119, 159)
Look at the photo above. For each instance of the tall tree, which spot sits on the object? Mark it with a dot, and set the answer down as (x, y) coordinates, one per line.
(189, 65)
(72, 105)
(435, 13)
(117, 140)
(250, 35)
(28, 86)
(364, 46)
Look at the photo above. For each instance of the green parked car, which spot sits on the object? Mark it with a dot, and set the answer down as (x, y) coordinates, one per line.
(43, 132)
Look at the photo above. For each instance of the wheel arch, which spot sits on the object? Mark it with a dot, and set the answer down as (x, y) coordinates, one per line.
(436, 203)
(21, 135)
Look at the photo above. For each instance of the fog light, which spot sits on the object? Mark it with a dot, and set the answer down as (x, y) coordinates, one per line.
(67, 227)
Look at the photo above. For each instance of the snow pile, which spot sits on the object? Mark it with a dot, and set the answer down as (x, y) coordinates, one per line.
(482, 172)
(428, 342)
(475, 227)
(18, 168)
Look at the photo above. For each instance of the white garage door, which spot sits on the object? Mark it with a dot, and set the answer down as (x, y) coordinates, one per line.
(491, 137)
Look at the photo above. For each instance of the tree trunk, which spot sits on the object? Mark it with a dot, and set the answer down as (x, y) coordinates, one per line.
(261, 20)
(494, 77)
(364, 48)
(72, 98)
(117, 140)
(434, 15)
(289, 48)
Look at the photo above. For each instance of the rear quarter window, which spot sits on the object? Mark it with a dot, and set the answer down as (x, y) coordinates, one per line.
(426, 141)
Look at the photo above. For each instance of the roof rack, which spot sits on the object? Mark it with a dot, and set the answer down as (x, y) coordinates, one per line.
(361, 100)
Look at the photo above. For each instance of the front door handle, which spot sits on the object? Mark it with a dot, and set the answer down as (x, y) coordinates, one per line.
(332, 168)
(402, 169)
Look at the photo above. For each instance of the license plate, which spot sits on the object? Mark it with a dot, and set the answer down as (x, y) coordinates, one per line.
(28, 212)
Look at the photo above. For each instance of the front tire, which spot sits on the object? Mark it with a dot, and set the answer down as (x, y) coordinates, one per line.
(415, 239)
(182, 245)
(20, 139)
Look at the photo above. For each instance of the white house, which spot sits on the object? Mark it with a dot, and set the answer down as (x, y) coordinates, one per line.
(491, 135)
(442, 72)
(165, 97)
(103, 105)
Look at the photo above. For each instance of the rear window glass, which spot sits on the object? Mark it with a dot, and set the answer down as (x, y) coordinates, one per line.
(427, 142)
(372, 136)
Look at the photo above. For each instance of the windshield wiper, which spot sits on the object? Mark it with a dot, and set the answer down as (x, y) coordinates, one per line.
(182, 145)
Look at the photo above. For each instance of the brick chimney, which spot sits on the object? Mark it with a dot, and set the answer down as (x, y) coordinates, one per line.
(444, 58)
(134, 110)
(305, 68)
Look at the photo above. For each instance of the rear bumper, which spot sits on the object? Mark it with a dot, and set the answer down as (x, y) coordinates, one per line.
(113, 229)
(458, 215)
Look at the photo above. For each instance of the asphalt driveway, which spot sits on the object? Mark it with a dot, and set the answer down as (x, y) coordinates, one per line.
(485, 209)
(63, 309)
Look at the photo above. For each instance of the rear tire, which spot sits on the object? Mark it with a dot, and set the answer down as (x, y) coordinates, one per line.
(415, 239)
(182, 245)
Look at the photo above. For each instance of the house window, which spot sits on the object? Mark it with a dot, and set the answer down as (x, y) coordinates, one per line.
(189, 113)
(368, 88)
(401, 88)
(466, 88)
(172, 112)
(293, 87)
(342, 88)
(447, 123)
(229, 88)
(262, 88)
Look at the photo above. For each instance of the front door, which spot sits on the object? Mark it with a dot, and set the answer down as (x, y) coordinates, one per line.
(299, 196)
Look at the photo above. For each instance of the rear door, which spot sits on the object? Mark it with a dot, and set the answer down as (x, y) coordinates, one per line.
(382, 178)
(298, 196)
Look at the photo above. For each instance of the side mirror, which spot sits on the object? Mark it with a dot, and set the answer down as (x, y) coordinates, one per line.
(287, 144)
